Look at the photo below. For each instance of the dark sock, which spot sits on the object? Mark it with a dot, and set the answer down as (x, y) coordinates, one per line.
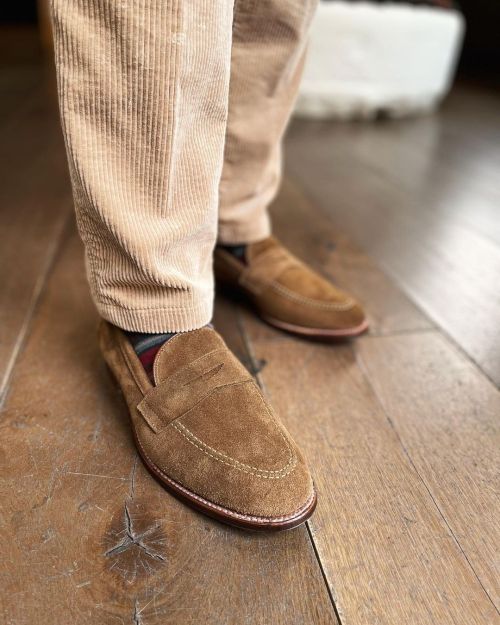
(146, 346)
(236, 250)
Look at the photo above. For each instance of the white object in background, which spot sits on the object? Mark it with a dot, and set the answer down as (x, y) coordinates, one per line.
(365, 58)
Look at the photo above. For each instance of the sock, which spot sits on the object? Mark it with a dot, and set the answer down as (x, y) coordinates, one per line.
(146, 346)
(236, 250)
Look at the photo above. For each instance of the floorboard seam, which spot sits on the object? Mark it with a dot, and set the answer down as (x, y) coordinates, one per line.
(53, 251)
(307, 195)
(366, 375)
(323, 573)
(258, 376)
(438, 326)
(396, 333)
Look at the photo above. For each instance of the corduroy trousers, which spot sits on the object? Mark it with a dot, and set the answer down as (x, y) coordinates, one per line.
(173, 112)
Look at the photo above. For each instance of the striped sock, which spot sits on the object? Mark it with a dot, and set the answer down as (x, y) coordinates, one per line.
(146, 346)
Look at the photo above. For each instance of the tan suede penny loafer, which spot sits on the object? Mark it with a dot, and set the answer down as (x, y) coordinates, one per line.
(207, 433)
(288, 294)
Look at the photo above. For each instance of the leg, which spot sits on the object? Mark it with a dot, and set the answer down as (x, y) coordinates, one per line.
(143, 95)
(269, 39)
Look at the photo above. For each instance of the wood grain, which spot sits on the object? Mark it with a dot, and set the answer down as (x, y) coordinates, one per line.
(388, 553)
(447, 416)
(88, 535)
(36, 203)
(408, 193)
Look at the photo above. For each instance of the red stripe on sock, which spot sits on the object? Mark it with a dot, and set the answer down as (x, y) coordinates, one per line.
(147, 359)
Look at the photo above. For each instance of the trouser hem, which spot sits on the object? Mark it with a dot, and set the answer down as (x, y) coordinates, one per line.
(235, 234)
(158, 320)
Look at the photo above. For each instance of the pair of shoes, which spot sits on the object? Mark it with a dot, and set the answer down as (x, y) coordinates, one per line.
(202, 426)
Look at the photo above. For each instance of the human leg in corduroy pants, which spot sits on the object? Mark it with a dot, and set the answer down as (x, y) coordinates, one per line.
(159, 99)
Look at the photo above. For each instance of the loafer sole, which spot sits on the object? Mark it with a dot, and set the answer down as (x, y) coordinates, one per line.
(339, 333)
(238, 294)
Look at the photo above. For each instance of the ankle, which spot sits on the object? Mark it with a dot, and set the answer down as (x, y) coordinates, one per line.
(146, 346)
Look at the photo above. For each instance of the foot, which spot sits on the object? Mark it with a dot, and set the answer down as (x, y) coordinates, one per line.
(287, 293)
(203, 428)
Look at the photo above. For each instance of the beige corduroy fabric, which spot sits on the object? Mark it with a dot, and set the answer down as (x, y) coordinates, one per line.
(159, 99)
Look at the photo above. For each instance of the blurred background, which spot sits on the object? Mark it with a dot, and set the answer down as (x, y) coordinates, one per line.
(480, 58)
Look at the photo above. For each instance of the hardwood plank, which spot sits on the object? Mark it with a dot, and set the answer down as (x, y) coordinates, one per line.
(75, 500)
(309, 233)
(448, 268)
(463, 188)
(36, 203)
(447, 416)
(387, 552)
(448, 161)
(445, 155)
(482, 102)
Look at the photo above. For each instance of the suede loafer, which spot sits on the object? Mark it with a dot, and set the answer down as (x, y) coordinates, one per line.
(207, 433)
(287, 293)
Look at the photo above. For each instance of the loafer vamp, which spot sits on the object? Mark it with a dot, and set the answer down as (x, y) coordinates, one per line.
(230, 450)
(302, 297)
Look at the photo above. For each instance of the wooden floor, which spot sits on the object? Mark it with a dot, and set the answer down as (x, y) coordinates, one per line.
(401, 428)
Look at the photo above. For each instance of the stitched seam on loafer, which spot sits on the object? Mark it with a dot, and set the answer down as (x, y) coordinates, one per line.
(190, 409)
(283, 290)
(215, 506)
(217, 455)
(265, 473)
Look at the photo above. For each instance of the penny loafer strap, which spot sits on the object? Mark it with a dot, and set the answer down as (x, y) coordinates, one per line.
(266, 268)
(190, 384)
